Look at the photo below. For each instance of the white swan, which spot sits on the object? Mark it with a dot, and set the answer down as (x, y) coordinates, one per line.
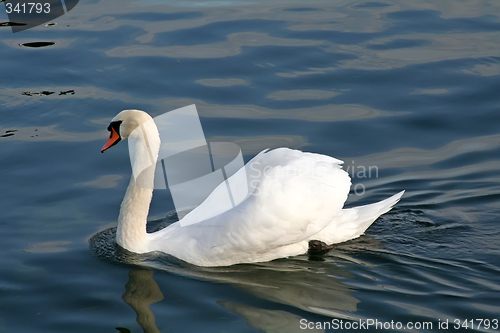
(297, 204)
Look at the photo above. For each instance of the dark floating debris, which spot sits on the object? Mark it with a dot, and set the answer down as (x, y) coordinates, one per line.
(42, 93)
(46, 93)
(11, 24)
(37, 44)
(11, 133)
(8, 133)
(50, 24)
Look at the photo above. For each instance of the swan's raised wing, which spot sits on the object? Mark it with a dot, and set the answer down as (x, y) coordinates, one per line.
(297, 198)
(296, 195)
(248, 179)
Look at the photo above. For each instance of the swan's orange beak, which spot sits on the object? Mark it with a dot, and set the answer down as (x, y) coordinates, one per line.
(114, 138)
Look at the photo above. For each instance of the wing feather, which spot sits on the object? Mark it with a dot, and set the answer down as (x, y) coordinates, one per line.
(296, 195)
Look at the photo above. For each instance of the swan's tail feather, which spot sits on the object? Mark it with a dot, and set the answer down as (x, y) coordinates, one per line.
(352, 222)
(367, 214)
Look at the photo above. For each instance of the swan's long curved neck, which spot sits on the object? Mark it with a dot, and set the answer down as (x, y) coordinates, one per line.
(131, 232)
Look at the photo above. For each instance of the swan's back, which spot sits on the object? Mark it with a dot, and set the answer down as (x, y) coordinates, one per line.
(296, 195)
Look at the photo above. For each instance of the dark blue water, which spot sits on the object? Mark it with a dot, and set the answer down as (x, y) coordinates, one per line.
(409, 89)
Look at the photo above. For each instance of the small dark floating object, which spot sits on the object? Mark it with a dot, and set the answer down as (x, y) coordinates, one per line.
(50, 24)
(6, 135)
(11, 24)
(37, 44)
(72, 92)
(46, 93)
(10, 131)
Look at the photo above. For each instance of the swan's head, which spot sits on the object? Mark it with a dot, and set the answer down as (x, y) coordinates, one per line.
(123, 124)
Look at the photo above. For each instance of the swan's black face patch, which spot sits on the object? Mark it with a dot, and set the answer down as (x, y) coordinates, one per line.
(116, 126)
(114, 135)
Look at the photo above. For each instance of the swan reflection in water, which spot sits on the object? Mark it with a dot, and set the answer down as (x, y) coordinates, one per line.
(142, 291)
(300, 282)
